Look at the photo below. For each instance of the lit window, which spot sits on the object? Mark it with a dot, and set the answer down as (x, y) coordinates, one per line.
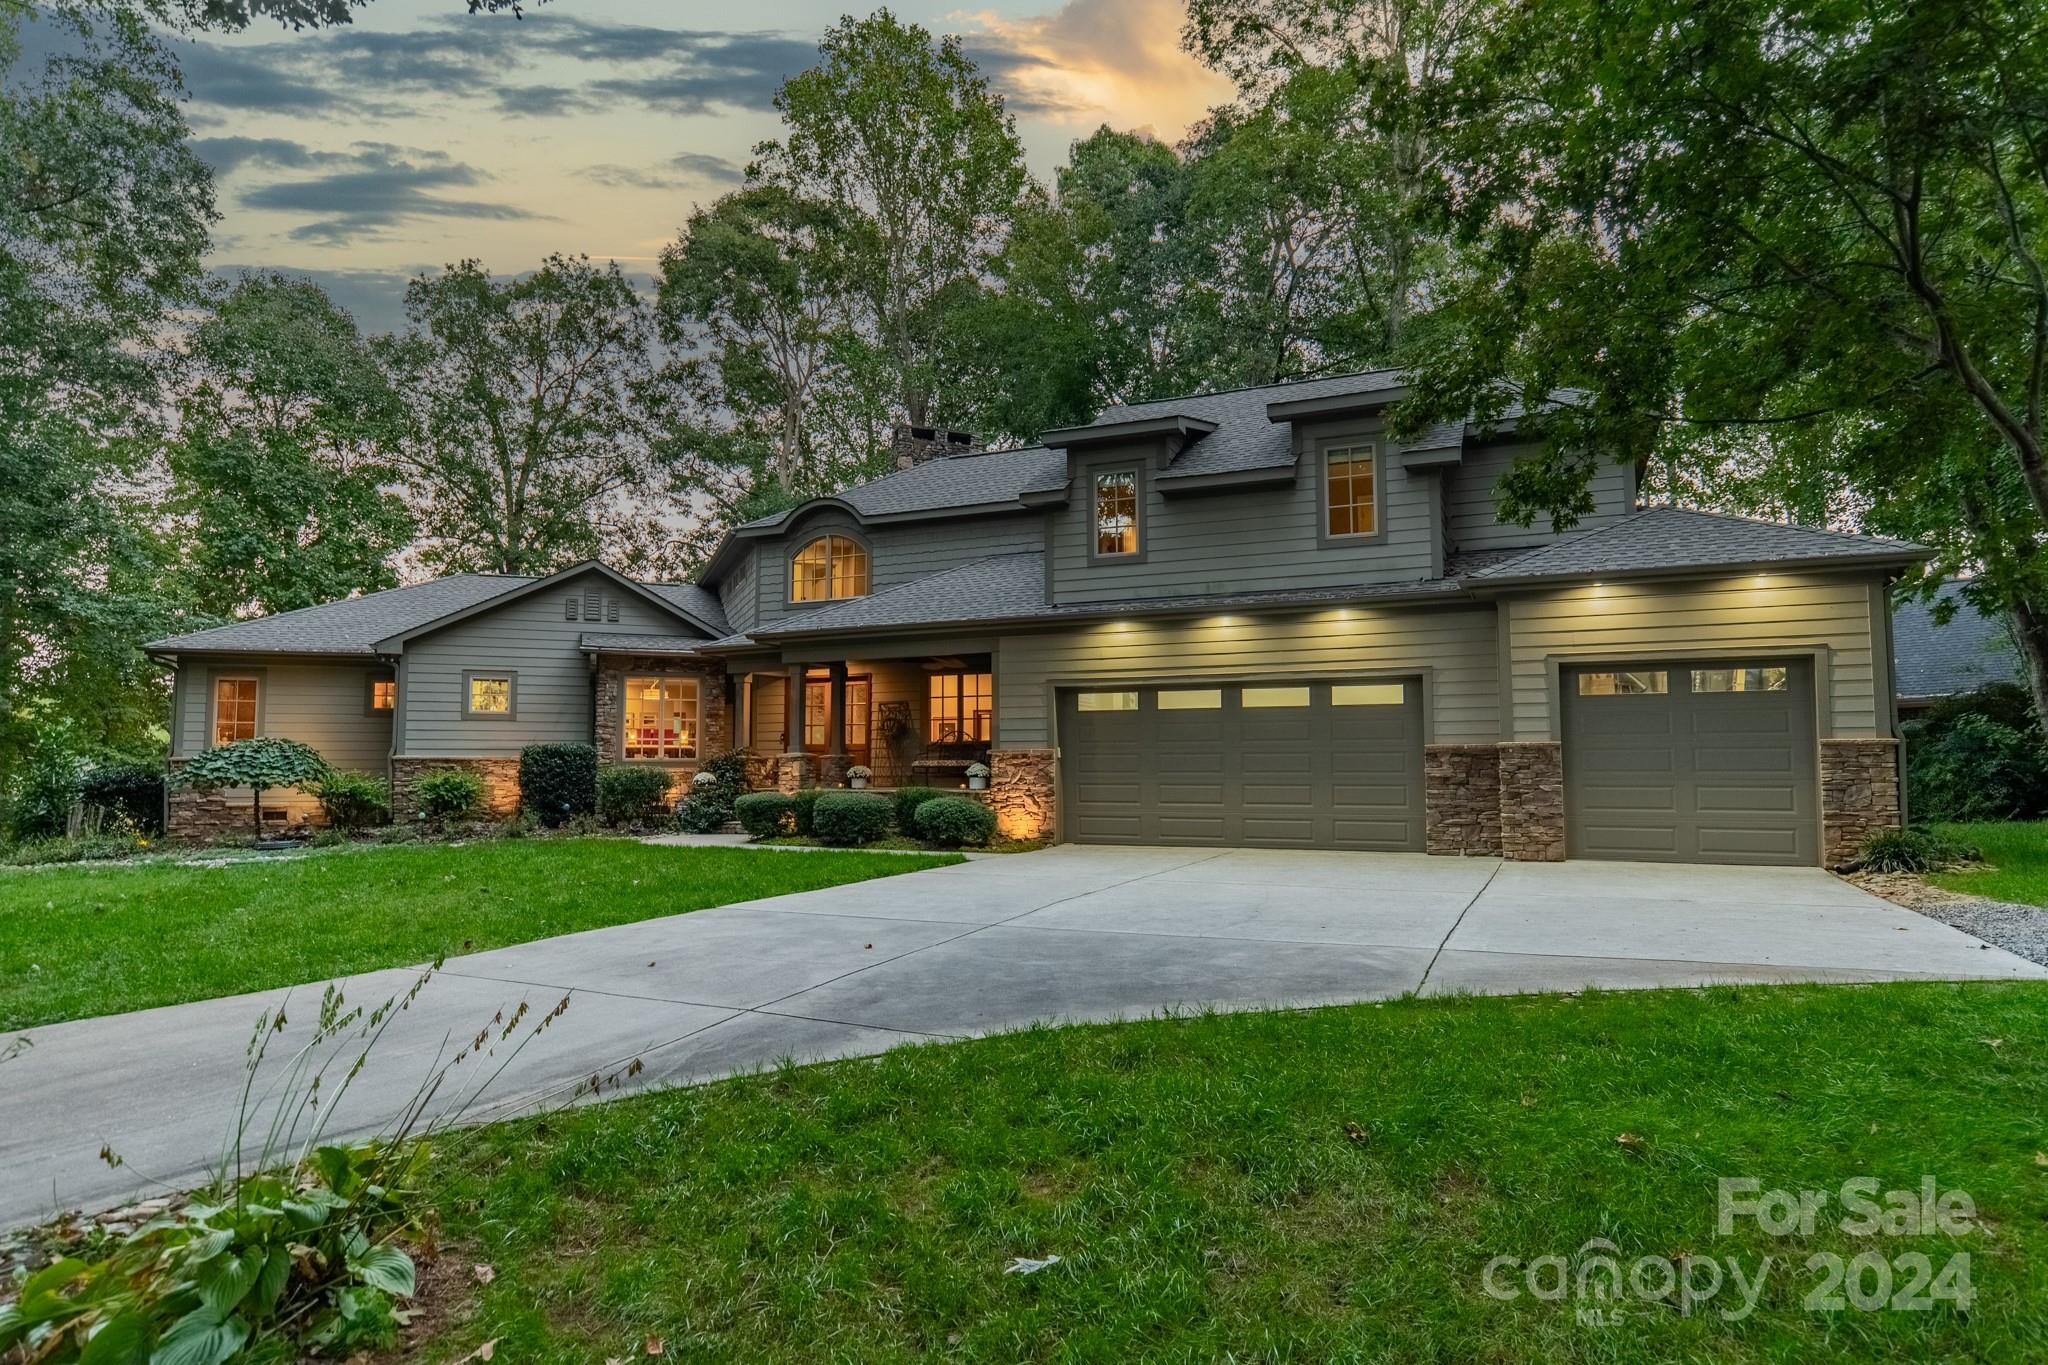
(827, 569)
(818, 711)
(489, 694)
(1191, 699)
(661, 718)
(1740, 679)
(1107, 701)
(962, 708)
(1637, 684)
(383, 694)
(1261, 697)
(1116, 513)
(234, 709)
(1348, 486)
(1368, 694)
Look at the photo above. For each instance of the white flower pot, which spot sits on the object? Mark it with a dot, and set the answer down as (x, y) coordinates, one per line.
(977, 784)
(857, 783)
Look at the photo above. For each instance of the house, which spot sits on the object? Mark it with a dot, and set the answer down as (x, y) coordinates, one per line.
(1243, 618)
(1966, 653)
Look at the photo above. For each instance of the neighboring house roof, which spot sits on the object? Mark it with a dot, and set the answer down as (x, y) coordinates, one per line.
(1660, 539)
(353, 625)
(1947, 660)
(370, 624)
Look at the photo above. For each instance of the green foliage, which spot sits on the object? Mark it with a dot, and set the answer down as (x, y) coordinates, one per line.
(908, 799)
(448, 794)
(762, 814)
(1912, 850)
(306, 1256)
(536, 402)
(352, 801)
(630, 793)
(259, 764)
(955, 820)
(132, 791)
(558, 781)
(850, 818)
(729, 769)
(283, 459)
(1976, 768)
(803, 810)
(2007, 703)
(45, 785)
(703, 813)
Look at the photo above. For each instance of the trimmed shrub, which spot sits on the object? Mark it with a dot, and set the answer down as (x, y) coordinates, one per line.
(449, 794)
(558, 781)
(851, 817)
(352, 801)
(1977, 768)
(1912, 850)
(762, 814)
(259, 764)
(955, 820)
(908, 799)
(803, 806)
(133, 791)
(702, 814)
(730, 768)
(628, 793)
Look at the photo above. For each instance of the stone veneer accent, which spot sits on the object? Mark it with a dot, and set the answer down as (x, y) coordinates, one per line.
(1532, 801)
(1859, 794)
(714, 721)
(203, 815)
(793, 772)
(1021, 793)
(500, 778)
(1461, 799)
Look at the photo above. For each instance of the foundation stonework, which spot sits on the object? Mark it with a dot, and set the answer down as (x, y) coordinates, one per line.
(500, 777)
(1532, 801)
(1859, 794)
(793, 773)
(1021, 793)
(1461, 799)
(204, 815)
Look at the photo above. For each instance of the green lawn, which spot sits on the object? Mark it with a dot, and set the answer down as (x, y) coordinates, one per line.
(2015, 857)
(1210, 1199)
(98, 939)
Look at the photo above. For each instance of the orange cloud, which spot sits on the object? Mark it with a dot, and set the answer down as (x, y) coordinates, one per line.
(1098, 61)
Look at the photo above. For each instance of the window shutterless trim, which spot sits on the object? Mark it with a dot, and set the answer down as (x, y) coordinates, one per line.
(696, 682)
(1322, 448)
(370, 707)
(1092, 524)
(789, 597)
(214, 676)
(511, 677)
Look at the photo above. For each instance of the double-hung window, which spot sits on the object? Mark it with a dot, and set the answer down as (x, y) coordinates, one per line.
(1116, 513)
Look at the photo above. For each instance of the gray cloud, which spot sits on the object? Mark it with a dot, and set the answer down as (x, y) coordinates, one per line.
(363, 192)
(686, 168)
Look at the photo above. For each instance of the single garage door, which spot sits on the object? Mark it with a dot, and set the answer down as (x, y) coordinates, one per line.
(1691, 762)
(1281, 765)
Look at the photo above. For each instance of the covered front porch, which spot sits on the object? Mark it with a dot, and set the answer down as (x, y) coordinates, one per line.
(912, 720)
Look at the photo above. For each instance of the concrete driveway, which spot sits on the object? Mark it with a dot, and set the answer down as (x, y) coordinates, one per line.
(1067, 934)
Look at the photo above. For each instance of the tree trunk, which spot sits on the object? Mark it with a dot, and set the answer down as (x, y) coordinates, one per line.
(256, 810)
(2030, 629)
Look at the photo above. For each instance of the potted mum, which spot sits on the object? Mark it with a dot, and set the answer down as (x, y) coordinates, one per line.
(977, 777)
(857, 776)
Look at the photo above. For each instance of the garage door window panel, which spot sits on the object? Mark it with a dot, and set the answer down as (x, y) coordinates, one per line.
(1625, 683)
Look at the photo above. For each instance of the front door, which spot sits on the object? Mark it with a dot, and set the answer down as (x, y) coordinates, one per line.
(818, 712)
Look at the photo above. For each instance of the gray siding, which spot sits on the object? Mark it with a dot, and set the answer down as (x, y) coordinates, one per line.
(1454, 648)
(897, 553)
(1828, 618)
(322, 704)
(1246, 539)
(737, 593)
(530, 636)
(1473, 515)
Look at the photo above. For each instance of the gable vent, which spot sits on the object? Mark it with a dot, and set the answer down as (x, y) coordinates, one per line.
(611, 609)
(593, 606)
(569, 612)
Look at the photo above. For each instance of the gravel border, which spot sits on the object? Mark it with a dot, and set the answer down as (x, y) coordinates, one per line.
(2021, 930)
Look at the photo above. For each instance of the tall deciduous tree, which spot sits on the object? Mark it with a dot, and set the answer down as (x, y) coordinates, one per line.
(533, 401)
(284, 455)
(1823, 224)
(903, 136)
(103, 219)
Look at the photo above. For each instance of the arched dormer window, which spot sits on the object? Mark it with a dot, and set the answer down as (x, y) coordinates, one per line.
(827, 569)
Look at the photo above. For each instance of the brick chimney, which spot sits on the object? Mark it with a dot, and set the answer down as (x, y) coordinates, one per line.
(914, 445)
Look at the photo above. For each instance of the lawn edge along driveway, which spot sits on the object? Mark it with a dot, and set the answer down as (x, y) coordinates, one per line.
(85, 940)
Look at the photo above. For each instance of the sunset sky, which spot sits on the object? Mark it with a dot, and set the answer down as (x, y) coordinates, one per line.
(422, 134)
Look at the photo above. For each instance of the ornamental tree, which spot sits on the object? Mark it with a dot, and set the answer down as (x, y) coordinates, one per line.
(258, 764)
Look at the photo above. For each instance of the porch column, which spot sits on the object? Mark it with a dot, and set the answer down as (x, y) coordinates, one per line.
(792, 772)
(832, 767)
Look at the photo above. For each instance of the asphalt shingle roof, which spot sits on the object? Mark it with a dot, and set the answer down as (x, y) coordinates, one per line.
(979, 479)
(353, 625)
(1681, 538)
(614, 642)
(695, 602)
(1943, 661)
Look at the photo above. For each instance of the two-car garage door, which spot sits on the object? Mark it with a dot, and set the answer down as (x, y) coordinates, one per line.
(1283, 765)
